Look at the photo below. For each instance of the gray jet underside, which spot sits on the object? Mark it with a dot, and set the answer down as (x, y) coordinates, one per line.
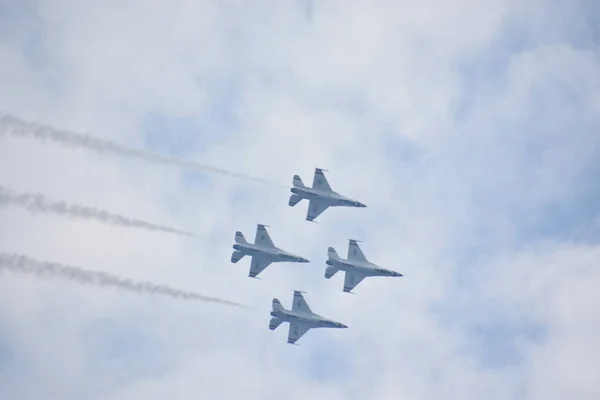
(356, 266)
(263, 251)
(320, 196)
(300, 317)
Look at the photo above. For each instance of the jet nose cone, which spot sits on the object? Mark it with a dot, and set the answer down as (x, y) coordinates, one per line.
(398, 274)
(343, 326)
(304, 260)
(361, 205)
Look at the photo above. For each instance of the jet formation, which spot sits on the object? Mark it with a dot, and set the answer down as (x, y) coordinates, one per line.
(263, 253)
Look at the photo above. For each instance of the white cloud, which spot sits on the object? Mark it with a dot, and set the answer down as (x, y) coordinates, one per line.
(337, 89)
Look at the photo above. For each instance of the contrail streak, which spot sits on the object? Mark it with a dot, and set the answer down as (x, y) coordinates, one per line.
(21, 128)
(22, 264)
(35, 202)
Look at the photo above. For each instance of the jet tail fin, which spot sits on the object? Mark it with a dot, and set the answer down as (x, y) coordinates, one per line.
(294, 199)
(274, 323)
(298, 181)
(330, 271)
(239, 238)
(237, 256)
(331, 253)
(277, 305)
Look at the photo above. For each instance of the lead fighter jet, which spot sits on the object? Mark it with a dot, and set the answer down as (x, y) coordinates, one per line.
(320, 196)
(357, 266)
(300, 317)
(263, 251)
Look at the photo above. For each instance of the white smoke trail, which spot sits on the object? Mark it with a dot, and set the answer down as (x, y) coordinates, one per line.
(18, 127)
(35, 202)
(22, 264)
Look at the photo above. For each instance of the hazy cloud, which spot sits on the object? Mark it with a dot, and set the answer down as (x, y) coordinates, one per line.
(469, 128)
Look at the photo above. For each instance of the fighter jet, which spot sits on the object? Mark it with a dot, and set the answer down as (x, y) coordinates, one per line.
(263, 251)
(357, 266)
(300, 317)
(320, 196)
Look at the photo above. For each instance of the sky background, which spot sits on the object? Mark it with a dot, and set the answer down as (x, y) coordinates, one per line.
(469, 128)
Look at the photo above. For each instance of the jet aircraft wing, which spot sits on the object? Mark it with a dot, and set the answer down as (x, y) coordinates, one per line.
(320, 182)
(354, 251)
(299, 304)
(257, 265)
(315, 208)
(262, 237)
(352, 279)
(296, 331)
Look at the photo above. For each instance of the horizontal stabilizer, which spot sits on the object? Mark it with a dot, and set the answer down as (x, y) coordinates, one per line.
(277, 305)
(330, 271)
(274, 323)
(237, 256)
(298, 181)
(331, 253)
(239, 238)
(294, 199)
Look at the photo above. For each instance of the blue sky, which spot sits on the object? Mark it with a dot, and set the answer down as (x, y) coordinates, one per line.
(470, 131)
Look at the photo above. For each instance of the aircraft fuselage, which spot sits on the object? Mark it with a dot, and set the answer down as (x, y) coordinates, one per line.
(272, 253)
(366, 268)
(312, 320)
(333, 199)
